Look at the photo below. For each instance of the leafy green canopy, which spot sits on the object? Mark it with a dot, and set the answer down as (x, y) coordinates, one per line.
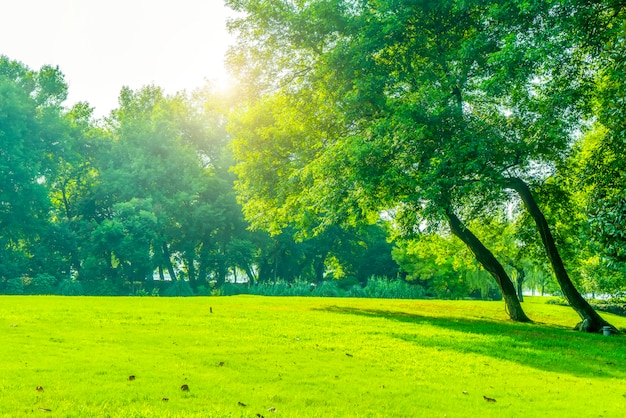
(32, 136)
(411, 106)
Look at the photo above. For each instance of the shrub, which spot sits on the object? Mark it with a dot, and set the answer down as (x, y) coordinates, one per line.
(378, 287)
(100, 288)
(179, 288)
(356, 291)
(42, 284)
(14, 286)
(71, 287)
(328, 289)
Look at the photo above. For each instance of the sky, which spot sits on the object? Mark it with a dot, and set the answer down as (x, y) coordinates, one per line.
(103, 45)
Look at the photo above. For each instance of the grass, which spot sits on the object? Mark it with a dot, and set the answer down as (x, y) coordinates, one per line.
(302, 357)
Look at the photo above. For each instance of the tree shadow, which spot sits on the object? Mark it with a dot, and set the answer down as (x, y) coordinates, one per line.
(540, 346)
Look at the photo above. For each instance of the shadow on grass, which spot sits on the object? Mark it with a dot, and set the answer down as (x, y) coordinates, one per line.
(548, 348)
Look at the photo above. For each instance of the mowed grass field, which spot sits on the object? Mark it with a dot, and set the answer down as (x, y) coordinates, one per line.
(250, 356)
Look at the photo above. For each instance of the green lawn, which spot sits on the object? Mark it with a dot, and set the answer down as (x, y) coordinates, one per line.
(301, 357)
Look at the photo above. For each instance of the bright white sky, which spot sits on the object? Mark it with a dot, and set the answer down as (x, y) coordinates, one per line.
(102, 45)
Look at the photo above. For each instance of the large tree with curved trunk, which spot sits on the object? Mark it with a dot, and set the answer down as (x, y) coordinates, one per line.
(424, 109)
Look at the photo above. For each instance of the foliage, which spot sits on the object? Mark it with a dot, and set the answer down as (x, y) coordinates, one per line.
(42, 284)
(375, 287)
(14, 286)
(71, 287)
(179, 288)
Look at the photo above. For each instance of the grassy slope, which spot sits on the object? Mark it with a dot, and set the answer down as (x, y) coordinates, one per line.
(304, 357)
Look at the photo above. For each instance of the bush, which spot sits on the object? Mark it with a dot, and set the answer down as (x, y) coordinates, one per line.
(71, 287)
(14, 286)
(179, 288)
(378, 287)
(329, 289)
(42, 284)
(100, 288)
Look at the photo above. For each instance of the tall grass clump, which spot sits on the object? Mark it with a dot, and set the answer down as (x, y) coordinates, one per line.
(376, 287)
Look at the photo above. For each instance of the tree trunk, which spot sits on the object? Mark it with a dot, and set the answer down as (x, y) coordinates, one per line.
(491, 264)
(591, 320)
(168, 261)
(251, 277)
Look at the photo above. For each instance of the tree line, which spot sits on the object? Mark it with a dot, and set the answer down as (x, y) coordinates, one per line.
(141, 201)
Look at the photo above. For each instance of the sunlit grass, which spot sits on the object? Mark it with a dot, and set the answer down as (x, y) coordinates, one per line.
(302, 357)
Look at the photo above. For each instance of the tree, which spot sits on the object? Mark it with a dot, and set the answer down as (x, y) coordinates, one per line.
(448, 105)
(32, 136)
(368, 112)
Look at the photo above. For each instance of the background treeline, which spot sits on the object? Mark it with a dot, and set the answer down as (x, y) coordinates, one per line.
(143, 201)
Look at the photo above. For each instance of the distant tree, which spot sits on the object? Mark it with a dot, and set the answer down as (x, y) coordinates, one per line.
(32, 136)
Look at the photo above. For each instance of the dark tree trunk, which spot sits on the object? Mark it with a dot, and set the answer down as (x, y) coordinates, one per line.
(591, 320)
(319, 265)
(168, 261)
(491, 264)
(192, 276)
(251, 277)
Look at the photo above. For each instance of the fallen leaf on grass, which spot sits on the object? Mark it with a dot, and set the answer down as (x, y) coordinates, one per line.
(39, 388)
(488, 399)
(131, 377)
(184, 388)
(45, 410)
(272, 409)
